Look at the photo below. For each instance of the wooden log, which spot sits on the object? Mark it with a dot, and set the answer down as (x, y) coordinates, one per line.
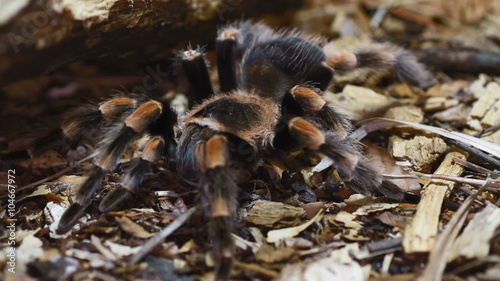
(39, 36)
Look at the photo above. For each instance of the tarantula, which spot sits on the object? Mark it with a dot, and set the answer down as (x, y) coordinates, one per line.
(270, 104)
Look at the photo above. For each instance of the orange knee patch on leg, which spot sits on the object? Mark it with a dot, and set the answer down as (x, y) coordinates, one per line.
(342, 62)
(114, 107)
(153, 149)
(306, 133)
(212, 153)
(308, 98)
(228, 34)
(220, 208)
(143, 116)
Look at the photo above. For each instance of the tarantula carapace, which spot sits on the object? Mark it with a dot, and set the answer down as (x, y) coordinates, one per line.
(270, 104)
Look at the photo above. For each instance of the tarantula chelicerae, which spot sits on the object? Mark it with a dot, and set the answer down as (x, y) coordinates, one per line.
(269, 105)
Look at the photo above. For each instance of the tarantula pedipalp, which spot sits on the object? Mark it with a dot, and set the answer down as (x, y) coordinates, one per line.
(270, 104)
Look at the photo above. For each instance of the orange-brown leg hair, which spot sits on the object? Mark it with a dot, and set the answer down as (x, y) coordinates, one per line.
(218, 195)
(323, 129)
(82, 123)
(110, 150)
(134, 175)
(403, 63)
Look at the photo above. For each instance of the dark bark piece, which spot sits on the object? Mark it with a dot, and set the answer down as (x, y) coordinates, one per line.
(42, 36)
(462, 61)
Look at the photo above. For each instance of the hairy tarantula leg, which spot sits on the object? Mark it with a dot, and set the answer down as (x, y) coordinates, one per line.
(358, 176)
(404, 64)
(218, 196)
(312, 103)
(75, 125)
(195, 69)
(225, 47)
(309, 136)
(134, 175)
(111, 151)
(113, 109)
(365, 180)
(76, 210)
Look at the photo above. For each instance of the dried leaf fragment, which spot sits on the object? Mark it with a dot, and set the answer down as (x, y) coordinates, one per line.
(47, 160)
(273, 214)
(132, 228)
(280, 234)
(338, 266)
(270, 254)
(375, 207)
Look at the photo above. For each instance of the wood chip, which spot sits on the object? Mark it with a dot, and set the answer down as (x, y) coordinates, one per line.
(250, 267)
(132, 228)
(420, 233)
(120, 250)
(489, 97)
(270, 254)
(408, 113)
(418, 153)
(446, 89)
(375, 124)
(269, 214)
(29, 250)
(345, 219)
(275, 236)
(492, 116)
(375, 207)
(456, 115)
(439, 103)
(469, 244)
(101, 248)
(435, 267)
(359, 102)
(338, 266)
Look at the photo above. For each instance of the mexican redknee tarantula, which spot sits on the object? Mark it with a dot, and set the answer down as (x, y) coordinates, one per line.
(270, 104)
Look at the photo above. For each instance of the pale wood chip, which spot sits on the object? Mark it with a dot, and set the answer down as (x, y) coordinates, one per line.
(418, 153)
(420, 233)
(469, 244)
(269, 214)
(132, 228)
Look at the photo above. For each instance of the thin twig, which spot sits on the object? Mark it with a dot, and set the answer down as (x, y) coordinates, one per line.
(58, 174)
(160, 236)
(487, 130)
(475, 167)
(476, 152)
(475, 182)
